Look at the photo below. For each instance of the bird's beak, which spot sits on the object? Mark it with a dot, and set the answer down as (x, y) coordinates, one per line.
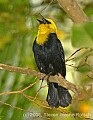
(43, 21)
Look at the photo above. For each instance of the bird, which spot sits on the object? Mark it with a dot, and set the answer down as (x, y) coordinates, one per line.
(50, 60)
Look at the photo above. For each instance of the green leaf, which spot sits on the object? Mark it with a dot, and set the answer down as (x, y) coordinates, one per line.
(84, 68)
(89, 10)
(89, 29)
(82, 35)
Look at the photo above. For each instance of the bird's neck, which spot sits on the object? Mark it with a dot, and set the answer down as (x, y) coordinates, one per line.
(42, 38)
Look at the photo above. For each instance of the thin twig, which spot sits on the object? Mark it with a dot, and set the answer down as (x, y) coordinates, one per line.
(20, 91)
(40, 116)
(43, 8)
(47, 107)
(70, 57)
(14, 106)
(39, 91)
(72, 65)
(32, 98)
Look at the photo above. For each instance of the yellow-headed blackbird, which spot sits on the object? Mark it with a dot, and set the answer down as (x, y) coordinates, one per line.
(50, 59)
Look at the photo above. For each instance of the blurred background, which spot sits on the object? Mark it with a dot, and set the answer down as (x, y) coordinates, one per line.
(18, 29)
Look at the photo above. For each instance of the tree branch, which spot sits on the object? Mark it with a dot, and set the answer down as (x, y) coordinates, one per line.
(72, 8)
(57, 79)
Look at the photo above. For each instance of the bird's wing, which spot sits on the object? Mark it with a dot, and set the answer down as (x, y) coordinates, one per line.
(62, 56)
(38, 57)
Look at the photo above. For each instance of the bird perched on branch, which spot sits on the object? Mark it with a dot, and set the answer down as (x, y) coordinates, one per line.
(50, 59)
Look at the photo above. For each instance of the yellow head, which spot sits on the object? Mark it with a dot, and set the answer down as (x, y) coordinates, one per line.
(46, 27)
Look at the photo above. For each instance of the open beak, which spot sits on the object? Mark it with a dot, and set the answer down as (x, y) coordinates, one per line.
(40, 21)
(43, 21)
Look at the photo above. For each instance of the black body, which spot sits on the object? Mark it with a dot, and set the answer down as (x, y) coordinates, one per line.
(50, 59)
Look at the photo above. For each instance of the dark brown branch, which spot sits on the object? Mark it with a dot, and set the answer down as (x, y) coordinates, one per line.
(72, 8)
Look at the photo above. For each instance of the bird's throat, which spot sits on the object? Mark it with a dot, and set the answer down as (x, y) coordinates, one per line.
(42, 38)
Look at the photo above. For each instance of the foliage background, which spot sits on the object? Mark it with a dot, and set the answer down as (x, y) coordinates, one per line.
(18, 29)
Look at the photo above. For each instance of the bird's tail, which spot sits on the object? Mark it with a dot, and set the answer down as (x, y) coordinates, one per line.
(58, 95)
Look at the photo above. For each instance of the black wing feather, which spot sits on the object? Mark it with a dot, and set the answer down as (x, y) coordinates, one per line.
(62, 58)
